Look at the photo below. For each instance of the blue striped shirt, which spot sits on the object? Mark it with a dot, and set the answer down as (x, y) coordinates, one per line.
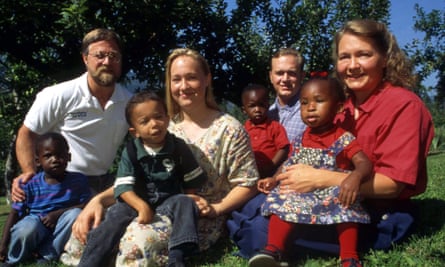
(42, 198)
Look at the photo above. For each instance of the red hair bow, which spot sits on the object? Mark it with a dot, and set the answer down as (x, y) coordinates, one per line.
(319, 74)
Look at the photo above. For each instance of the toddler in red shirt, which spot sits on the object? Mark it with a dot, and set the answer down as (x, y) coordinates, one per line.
(267, 137)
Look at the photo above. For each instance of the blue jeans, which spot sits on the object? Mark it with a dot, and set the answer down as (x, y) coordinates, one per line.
(30, 235)
(180, 208)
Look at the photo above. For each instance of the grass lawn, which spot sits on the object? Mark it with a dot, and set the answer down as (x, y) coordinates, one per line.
(426, 247)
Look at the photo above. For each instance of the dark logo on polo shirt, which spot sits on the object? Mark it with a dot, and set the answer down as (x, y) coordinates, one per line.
(75, 115)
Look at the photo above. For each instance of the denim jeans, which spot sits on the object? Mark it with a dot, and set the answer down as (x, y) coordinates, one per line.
(180, 208)
(30, 235)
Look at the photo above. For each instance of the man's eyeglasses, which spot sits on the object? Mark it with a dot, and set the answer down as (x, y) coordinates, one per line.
(112, 56)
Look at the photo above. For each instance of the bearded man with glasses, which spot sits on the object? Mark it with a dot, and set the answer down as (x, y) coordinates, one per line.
(88, 111)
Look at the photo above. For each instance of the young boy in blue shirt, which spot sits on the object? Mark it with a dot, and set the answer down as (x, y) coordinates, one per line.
(157, 183)
(41, 225)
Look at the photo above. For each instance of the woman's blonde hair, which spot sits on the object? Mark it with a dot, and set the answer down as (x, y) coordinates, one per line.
(399, 70)
(173, 107)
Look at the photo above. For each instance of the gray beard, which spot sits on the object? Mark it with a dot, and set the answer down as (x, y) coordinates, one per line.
(105, 79)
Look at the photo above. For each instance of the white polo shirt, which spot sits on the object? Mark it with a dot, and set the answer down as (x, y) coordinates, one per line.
(94, 134)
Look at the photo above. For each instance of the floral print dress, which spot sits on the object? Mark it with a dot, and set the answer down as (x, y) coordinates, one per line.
(320, 206)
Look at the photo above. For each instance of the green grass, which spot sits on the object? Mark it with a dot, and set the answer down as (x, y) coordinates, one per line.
(426, 247)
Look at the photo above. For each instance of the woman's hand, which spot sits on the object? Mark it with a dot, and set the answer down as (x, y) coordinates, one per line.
(89, 218)
(304, 178)
(297, 178)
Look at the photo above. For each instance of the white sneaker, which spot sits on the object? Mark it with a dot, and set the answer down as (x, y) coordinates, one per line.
(267, 259)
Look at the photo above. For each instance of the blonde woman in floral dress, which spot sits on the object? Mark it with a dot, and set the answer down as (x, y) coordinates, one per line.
(220, 144)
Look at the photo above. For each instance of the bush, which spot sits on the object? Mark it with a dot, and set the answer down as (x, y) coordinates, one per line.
(438, 143)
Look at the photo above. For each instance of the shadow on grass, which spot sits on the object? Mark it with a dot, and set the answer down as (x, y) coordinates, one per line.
(432, 216)
(429, 226)
(222, 249)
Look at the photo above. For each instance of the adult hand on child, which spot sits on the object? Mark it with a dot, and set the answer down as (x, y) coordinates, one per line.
(297, 178)
(17, 194)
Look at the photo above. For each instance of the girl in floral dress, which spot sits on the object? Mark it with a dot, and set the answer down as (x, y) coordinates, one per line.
(323, 145)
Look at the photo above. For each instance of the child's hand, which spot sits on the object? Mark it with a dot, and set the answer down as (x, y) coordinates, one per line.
(3, 254)
(349, 190)
(266, 185)
(50, 219)
(211, 211)
(145, 215)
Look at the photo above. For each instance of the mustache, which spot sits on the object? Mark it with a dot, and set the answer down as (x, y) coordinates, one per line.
(104, 68)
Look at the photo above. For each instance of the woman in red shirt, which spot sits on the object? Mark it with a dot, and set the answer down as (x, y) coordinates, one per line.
(391, 123)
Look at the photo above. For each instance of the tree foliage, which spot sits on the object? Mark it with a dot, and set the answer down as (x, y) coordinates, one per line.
(428, 54)
(258, 28)
(41, 40)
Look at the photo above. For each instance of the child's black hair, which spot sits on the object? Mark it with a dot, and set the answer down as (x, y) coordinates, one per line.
(57, 137)
(139, 98)
(252, 87)
(335, 86)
